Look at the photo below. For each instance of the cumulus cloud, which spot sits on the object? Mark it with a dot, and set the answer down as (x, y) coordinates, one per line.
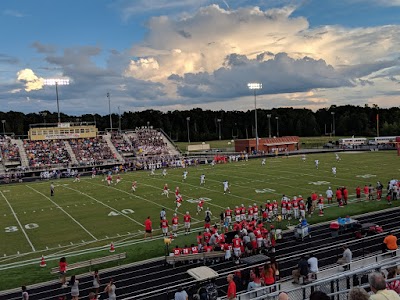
(30, 79)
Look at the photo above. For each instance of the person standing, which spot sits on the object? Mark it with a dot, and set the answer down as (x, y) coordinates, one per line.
(231, 293)
(148, 227)
(329, 195)
(74, 283)
(96, 282)
(302, 270)
(52, 188)
(110, 290)
(378, 286)
(358, 193)
(346, 258)
(25, 295)
(62, 269)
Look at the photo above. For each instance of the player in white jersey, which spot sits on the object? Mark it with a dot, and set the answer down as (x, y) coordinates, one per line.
(134, 185)
(202, 179)
(303, 158)
(263, 162)
(334, 171)
(337, 157)
(152, 173)
(184, 175)
(329, 195)
(164, 172)
(226, 187)
(316, 163)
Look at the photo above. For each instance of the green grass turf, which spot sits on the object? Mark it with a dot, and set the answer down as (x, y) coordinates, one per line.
(77, 217)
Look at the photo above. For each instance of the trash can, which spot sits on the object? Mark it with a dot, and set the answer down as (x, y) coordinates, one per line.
(334, 227)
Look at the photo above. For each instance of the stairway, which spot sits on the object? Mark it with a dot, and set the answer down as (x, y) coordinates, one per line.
(71, 153)
(107, 138)
(171, 147)
(22, 153)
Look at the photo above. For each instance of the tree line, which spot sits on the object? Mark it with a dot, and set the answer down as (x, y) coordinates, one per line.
(203, 125)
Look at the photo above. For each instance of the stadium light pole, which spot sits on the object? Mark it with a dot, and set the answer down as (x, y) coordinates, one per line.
(57, 82)
(119, 116)
(255, 86)
(269, 125)
(4, 127)
(333, 123)
(219, 128)
(188, 120)
(277, 126)
(109, 109)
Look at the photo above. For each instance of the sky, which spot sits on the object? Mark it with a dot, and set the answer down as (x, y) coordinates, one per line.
(183, 54)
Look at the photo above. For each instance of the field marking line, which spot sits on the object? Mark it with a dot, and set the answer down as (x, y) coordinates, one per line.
(110, 207)
(139, 197)
(19, 223)
(58, 206)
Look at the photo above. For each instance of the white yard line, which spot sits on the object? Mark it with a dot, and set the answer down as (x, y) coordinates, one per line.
(19, 223)
(58, 206)
(106, 205)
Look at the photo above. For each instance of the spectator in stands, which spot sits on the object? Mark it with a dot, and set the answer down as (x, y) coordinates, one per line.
(92, 296)
(25, 295)
(318, 295)
(346, 257)
(378, 286)
(231, 293)
(301, 271)
(96, 282)
(110, 290)
(390, 243)
(74, 283)
(283, 296)
(358, 293)
(269, 274)
(255, 280)
(211, 290)
(313, 265)
(393, 285)
(181, 294)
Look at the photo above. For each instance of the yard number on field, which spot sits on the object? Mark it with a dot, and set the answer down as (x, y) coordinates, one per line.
(15, 228)
(319, 182)
(126, 211)
(263, 191)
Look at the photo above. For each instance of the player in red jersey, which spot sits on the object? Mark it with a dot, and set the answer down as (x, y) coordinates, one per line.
(199, 240)
(165, 191)
(118, 180)
(250, 213)
(228, 216)
(200, 206)
(187, 219)
(109, 179)
(177, 192)
(164, 226)
(295, 206)
(237, 214)
(345, 192)
(339, 197)
(321, 205)
(366, 192)
(175, 223)
(237, 244)
(358, 193)
(194, 249)
(186, 250)
(178, 202)
(177, 251)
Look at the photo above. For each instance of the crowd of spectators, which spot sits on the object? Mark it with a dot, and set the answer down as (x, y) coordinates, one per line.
(148, 141)
(8, 150)
(46, 153)
(121, 144)
(91, 151)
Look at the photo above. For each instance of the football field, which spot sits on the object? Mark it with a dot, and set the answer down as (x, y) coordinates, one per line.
(89, 213)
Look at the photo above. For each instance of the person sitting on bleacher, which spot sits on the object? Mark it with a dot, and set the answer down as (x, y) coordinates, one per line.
(378, 286)
(301, 271)
(390, 243)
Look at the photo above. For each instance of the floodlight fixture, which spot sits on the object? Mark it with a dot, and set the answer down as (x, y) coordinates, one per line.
(57, 82)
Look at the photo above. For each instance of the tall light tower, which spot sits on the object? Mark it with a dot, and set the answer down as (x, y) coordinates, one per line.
(333, 123)
(4, 127)
(119, 116)
(57, 82)
(277, 126)
(109, 108)
(255, 86)
(269, 125)
(219, 128)
(188, 120)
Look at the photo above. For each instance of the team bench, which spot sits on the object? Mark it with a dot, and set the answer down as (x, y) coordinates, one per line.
(204, 256)
(92, 262)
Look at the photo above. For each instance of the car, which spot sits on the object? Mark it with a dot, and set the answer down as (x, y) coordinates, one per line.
(328, 146)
